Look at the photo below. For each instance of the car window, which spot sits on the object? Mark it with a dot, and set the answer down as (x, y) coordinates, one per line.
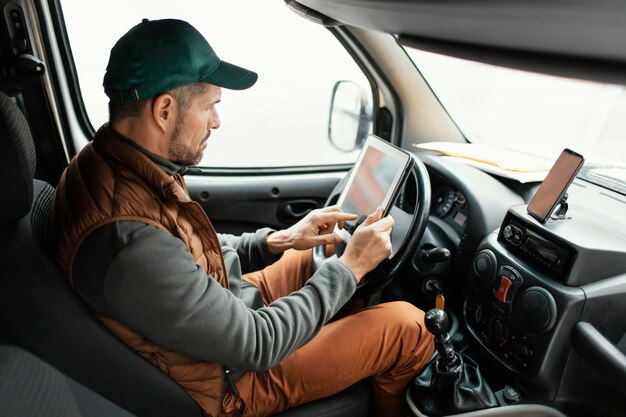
(282, 120)
(533, 114)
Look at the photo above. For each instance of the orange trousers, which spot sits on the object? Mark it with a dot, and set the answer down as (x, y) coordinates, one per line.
(388, 342)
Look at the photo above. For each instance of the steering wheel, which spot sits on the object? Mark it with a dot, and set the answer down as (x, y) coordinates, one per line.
(406, 235)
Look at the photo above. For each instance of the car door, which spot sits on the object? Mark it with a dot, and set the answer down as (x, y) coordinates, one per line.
(270, 162)
(241, 203)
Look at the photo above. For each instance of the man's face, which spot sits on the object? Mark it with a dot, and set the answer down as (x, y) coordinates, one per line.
(193, 127)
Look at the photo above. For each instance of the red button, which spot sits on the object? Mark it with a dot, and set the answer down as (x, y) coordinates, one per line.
(502, 292)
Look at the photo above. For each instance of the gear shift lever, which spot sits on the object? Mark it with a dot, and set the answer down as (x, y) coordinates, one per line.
(451, 383)
(438, 324)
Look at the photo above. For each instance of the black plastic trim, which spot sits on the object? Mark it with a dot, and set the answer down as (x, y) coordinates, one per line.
(600, 354)
(553, 64)
(310, 14)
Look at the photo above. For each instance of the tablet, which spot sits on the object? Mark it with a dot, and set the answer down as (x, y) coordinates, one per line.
(373, 182)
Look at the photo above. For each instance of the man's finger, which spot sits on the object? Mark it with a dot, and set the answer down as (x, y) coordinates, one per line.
(325, 229)
(335, 217)
(374, 217)
(329, 239)
(384, 224)
(330, 208)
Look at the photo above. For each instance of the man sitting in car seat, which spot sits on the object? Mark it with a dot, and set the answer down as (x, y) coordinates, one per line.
(148, 262)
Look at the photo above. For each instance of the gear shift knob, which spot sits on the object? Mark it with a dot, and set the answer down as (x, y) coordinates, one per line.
(437, 323)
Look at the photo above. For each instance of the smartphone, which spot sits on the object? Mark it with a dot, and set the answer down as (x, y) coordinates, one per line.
(552, 189)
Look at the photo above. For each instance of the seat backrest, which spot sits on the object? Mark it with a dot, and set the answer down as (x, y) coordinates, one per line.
(43, 313)
(42, 199)
(30, 387)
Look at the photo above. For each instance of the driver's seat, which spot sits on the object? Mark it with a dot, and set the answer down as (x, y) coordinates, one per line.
(40, 312)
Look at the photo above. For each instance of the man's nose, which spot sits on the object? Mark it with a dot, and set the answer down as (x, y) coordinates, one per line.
(214, 121)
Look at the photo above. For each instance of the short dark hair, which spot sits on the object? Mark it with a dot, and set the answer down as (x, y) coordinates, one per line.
(183, 95)
(186, 93)
(119, 110)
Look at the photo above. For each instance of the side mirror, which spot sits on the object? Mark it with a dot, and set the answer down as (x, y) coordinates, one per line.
(350, 117)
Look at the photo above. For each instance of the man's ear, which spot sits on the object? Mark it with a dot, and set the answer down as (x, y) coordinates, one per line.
(163, 111)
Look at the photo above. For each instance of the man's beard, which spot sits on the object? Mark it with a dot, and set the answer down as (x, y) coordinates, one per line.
(180, 152)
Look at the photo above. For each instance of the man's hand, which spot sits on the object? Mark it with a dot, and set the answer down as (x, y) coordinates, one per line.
(369, 245)
(315, 229)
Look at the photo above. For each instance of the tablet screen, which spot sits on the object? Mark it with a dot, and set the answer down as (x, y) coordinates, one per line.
(373, 181)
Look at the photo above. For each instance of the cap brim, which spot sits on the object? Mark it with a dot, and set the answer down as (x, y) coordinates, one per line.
(231, 76)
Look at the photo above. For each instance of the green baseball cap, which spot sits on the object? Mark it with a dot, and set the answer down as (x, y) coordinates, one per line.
(156, 56)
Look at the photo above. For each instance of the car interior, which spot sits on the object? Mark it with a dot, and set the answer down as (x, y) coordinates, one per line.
(534, 310)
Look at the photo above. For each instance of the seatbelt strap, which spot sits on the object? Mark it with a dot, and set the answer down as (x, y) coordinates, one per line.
(231, 383)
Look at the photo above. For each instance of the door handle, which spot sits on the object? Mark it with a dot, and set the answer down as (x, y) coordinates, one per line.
(294, 210)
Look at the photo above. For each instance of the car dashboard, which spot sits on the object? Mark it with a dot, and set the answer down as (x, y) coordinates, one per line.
(518, 289)
(450, 205)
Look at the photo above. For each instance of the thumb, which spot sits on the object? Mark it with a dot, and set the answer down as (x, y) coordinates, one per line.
(374, 217)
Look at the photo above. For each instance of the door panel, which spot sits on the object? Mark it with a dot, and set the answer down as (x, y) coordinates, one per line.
(237, 204)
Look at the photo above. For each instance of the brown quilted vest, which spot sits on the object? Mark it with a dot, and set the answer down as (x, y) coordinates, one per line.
(110, 181)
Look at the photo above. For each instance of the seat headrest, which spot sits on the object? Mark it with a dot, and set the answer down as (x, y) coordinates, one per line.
(18, 160)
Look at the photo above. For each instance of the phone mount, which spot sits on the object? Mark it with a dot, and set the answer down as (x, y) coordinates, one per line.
(560, 213)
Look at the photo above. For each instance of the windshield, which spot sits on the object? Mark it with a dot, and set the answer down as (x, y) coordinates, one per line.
(534, 114)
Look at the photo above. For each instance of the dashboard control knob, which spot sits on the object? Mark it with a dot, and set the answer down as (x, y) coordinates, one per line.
(485, 268)
(536, 310)
(482, 264)
(436, 255)
(498, 329)
(513, 234)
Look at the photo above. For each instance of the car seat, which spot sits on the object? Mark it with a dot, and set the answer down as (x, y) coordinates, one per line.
(31, 388)
(42, 313)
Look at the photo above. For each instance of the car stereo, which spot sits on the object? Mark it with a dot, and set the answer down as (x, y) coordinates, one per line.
(543, 252)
